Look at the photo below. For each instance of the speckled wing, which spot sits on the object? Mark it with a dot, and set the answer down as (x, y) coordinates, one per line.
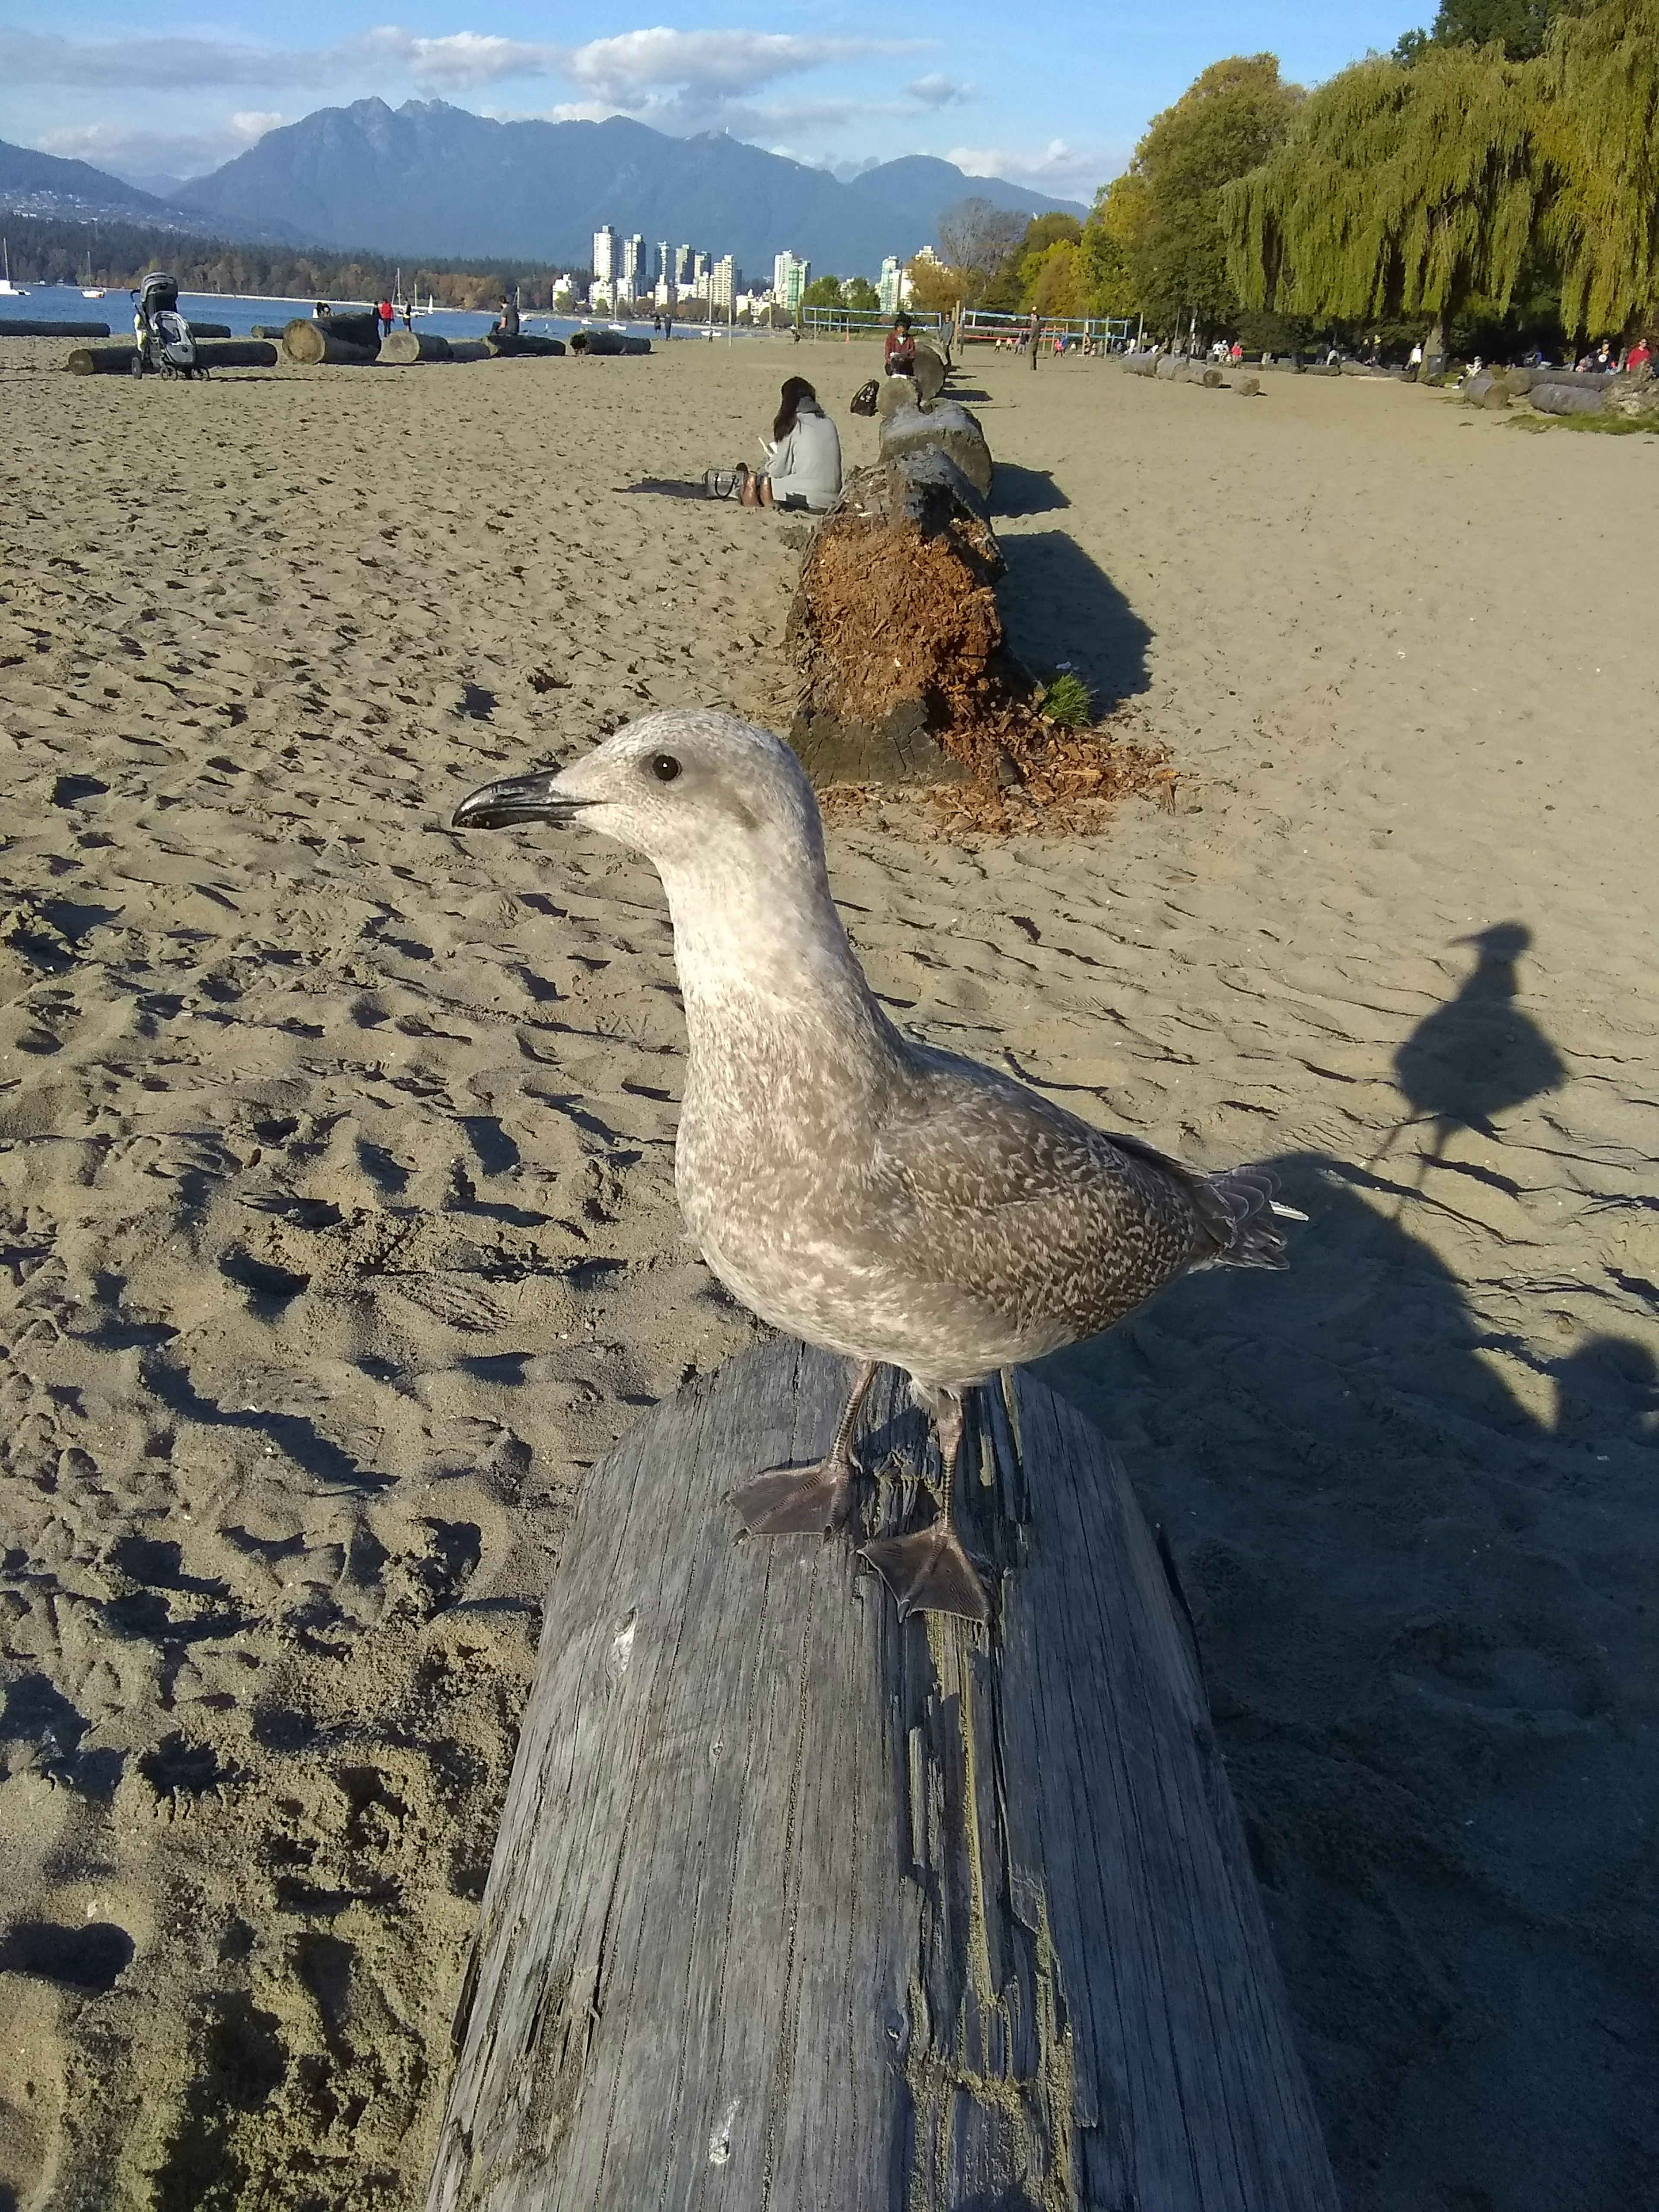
(1012, 1199)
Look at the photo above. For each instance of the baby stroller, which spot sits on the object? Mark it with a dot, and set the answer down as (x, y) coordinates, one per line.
(166, 347)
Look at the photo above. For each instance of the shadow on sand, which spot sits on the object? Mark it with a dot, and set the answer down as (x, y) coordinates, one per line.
(1062, 606)
(1427, 1606)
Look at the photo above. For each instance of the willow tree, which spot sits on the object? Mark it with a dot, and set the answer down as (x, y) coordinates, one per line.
(1599, 132)
(1403, 189)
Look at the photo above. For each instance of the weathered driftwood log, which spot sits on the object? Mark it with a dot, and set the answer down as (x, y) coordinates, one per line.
(928, 373)
(1582, 398)
(894, 629)
(209, 330)
(401, 348)
(1141, 364)
(1490, 389)
(308, 342)
(469, 350)
(796, 1906)
(608, 342)
(20, 326)
(530, 345)
(211, 353)
(947, 425)
(895, 393)
(1248, 388)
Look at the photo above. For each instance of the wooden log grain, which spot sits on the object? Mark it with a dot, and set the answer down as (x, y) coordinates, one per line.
(339, 339)
(947, 425)
(1580, 398)
(211, 353)
(928, 373)
(531, 345)
(1248, 388)
(894, 629)
(23, 326)
(1489, 390)
(402, 348)
(796, 1906)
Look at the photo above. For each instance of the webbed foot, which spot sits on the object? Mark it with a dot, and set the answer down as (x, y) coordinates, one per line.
(796, 1501)
(930, 1572)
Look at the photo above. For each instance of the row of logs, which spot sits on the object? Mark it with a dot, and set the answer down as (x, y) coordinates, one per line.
(1182, 368)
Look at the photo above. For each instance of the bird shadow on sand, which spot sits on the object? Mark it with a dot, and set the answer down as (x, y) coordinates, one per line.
(1061, 607)
(1478, 1054)
(1421, 1557)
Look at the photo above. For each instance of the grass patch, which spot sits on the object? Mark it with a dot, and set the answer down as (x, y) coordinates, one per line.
(1066, 701)
(1604, 426)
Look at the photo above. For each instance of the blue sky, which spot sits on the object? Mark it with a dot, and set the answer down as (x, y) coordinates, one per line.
(1053, 95)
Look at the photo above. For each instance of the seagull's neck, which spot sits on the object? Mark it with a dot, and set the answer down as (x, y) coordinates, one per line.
(762, 957)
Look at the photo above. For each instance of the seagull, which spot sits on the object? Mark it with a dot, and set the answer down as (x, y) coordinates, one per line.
(882, 1199)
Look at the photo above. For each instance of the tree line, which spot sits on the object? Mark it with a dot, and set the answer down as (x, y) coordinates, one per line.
(1492, 184)
(47, 251)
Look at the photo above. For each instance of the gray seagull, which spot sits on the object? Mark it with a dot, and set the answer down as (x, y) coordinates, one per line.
(881, 1199)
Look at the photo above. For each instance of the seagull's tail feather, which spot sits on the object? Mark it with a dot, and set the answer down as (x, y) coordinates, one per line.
(1241, 1213)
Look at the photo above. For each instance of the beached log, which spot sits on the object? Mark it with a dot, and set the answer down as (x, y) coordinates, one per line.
(1581, 399)
(946, 424)
(530, 345)
(1248, 388)
(894, 628)
(1490, 389)
(209, 330)
(400, 348)
(895, 393)
(211, 353)
(20, 326)
(928, 372)
(469, 350)
(608, 342)
(796, 1905)
(337, 339)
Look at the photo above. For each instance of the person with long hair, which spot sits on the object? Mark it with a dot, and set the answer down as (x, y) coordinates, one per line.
(803, 464)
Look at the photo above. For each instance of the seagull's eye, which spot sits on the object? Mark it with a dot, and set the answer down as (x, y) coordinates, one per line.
(665, 767)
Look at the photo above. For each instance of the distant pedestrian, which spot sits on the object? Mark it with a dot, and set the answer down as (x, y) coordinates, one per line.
(668, 326)
(1033, 334)
(386, 318)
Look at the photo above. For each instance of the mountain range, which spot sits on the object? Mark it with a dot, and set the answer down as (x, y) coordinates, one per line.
(430, 180)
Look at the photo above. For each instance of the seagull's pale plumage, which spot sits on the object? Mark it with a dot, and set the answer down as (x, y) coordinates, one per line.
(878, 1197)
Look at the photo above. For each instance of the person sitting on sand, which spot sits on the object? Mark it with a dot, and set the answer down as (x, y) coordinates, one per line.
(900, 357)
(803, 466)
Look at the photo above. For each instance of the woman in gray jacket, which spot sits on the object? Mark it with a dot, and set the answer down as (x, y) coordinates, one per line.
(803, 467)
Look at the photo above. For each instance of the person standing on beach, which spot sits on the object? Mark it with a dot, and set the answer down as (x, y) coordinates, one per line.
(386, 318)
(1033, 334)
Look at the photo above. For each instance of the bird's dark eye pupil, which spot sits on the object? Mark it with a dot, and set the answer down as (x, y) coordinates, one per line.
(665, 767)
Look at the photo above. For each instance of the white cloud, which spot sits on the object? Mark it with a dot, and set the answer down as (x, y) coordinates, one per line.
(639, 63)
(1063, 171)
(936, 91)
(152, 64)
(136, 154)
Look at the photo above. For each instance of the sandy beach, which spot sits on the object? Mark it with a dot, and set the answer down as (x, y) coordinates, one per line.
(339, 1234)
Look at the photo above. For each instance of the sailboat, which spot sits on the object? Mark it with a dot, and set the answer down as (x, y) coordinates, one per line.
(8, 290)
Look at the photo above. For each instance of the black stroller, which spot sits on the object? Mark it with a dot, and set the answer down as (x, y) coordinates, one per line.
(166, 347)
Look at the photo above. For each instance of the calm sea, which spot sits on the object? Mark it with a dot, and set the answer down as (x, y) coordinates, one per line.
(62, 303)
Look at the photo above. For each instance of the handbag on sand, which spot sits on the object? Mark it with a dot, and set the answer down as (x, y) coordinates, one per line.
(865, 398)
(725, 483)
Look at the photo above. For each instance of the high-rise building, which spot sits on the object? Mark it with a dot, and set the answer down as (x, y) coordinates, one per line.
(892, 285)
(790, 278)
(605, 256)
(681, 265)
(665, 272)
(723, 282)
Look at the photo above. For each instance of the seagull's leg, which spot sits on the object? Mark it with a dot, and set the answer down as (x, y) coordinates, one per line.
(789, 1501)
(929, 1571)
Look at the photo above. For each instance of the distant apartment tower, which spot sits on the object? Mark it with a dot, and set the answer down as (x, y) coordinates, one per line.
(632, 280)
(723, 284)
(681, 265)
(790, 277)
(665, 262)
(891, 284)
(605, 256)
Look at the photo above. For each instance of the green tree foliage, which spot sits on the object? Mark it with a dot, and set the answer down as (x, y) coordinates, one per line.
(1441, 185)
(1111, 238)
(1518, 26)
(1174, 249)
(822, 292)
(1599, 135)
(1402, 188)
(861, 294)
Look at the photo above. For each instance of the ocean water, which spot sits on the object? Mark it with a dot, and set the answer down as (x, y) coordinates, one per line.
(62, 303)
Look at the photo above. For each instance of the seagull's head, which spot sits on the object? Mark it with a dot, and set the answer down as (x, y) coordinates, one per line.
(686, 787)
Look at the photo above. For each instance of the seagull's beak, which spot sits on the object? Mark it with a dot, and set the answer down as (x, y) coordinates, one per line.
(520, 799)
